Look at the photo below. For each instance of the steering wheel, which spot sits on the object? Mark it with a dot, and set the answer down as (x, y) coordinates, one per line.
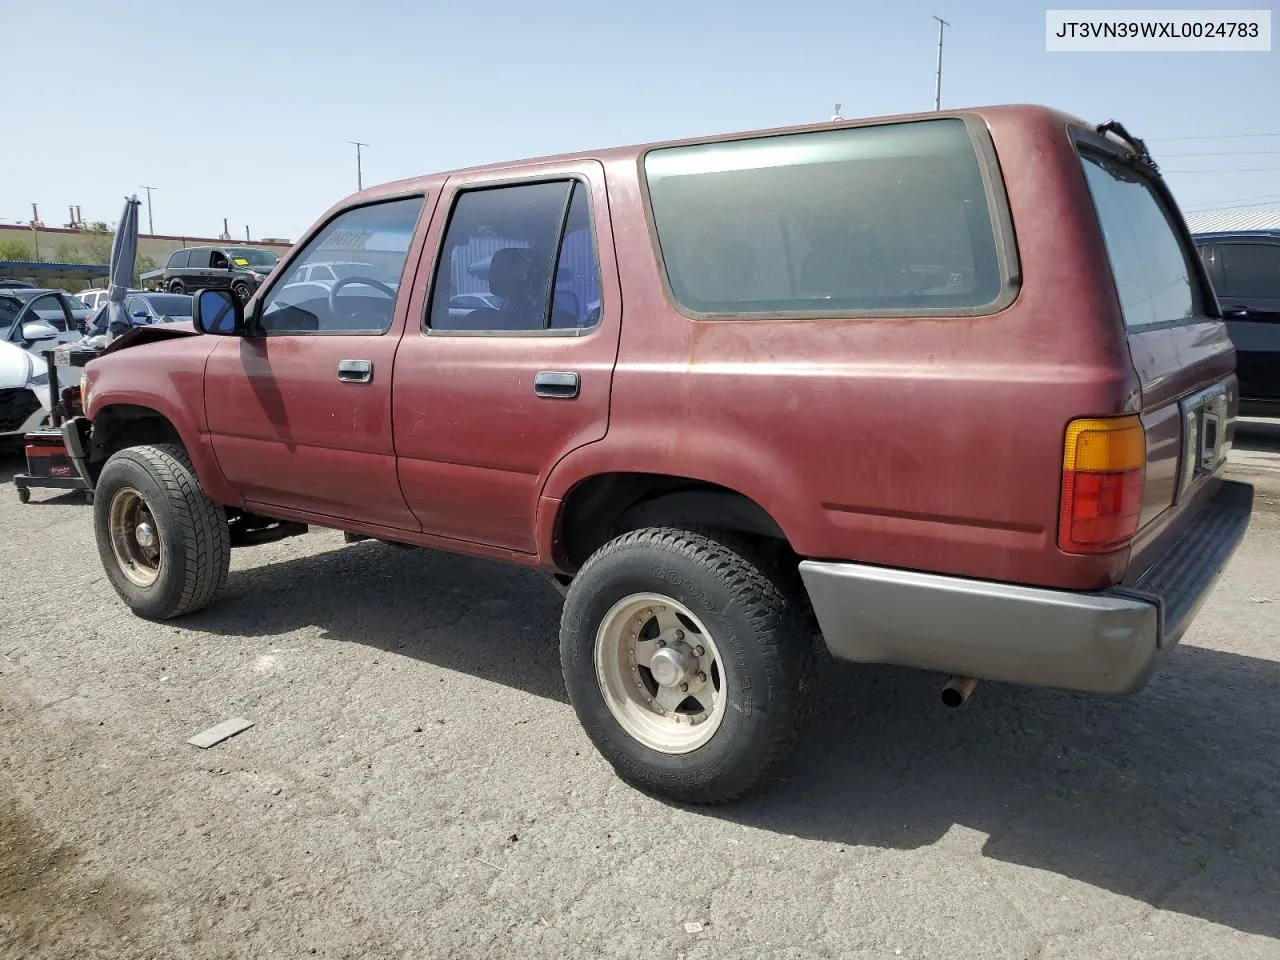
(346, 281)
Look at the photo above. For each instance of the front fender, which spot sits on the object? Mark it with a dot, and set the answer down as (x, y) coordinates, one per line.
(166, 377)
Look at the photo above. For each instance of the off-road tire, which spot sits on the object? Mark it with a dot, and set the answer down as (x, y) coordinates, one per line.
(195, 540)
(760, 626)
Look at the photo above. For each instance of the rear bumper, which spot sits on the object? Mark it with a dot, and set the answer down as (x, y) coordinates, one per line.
(1109, 641)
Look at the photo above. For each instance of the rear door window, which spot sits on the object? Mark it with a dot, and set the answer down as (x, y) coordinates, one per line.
(178, 259)
(1152, 269)
(198, 258)
(891, 217)
(1250, 271)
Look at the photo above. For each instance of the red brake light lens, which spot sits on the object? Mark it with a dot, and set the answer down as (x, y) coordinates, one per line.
(1103, 468)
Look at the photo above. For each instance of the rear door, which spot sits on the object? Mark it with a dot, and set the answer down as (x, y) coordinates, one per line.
(489, 398)
(1249, 293)
(1179, 346)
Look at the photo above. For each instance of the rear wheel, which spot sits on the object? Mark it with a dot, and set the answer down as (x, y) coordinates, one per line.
(685, 661)
(164, 545)
(177, 286)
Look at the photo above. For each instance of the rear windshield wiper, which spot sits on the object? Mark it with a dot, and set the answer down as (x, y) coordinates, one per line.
(1138, 146)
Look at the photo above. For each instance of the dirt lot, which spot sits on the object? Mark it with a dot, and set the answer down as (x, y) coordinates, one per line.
(416, 785)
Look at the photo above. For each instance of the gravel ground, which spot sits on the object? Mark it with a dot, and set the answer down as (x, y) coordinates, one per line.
(416, 785)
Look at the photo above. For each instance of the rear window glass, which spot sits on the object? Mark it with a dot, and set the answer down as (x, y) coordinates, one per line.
(886, 217)
(1251, 271)
(1151, 269)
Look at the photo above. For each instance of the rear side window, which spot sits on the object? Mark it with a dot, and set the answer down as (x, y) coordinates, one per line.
(503, 247)
(1251, 271)
(1152, 270)
(199, 257)
(179, 259)
(893, 217)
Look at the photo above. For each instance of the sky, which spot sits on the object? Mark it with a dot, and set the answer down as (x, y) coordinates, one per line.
(244, 111)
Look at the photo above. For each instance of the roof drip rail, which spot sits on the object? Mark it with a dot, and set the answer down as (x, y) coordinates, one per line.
(1138, 146)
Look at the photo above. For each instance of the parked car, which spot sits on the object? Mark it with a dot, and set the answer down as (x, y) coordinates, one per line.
(238, 269)
(827, 389)
(24, 393)
(92, 298)
(61, 311)
(15, 284)
(1245, 270)
(146, 308)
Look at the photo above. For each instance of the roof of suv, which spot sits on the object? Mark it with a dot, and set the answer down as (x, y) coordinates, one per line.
(1030, 111)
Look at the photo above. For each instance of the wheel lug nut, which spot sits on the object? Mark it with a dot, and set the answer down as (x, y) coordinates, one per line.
(661, 642)
(679, 634)
(701, 677)
(684, 688)
(699, 650)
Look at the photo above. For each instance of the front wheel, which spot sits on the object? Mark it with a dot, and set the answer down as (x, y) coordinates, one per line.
(165, 546)
(685, 661)
(241, 291)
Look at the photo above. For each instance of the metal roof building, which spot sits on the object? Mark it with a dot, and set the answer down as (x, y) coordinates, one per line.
(1215, 222)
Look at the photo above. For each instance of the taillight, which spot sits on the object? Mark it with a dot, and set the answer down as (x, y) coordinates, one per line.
(1103, 464)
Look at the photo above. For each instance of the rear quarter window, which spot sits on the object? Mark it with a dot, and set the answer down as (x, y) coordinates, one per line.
(1152, 268)
(891, 218)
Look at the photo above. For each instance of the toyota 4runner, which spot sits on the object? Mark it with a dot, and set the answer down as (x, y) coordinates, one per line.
(950, 390)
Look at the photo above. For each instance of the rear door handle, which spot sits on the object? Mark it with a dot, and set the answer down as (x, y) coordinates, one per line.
(555, 384)
(355, 371)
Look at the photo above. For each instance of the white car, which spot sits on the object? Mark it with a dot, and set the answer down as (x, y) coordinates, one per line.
(92, 299)
(24, 393)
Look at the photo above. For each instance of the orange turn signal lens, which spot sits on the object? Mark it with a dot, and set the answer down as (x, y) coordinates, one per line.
(1105, 446)
(1103, 468)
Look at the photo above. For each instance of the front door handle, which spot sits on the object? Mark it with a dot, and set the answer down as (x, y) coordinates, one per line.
(555, 384)
(355, 371)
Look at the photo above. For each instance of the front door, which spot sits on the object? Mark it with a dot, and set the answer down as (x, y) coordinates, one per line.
(300, 411)
(219, 270)
(512, 365)
(1248, 287)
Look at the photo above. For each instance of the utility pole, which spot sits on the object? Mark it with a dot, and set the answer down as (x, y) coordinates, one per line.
(359, 172)
(937, 87)
(151, 226)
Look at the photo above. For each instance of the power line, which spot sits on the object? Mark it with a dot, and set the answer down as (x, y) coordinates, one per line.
(1230, 170)
(1216, 136)
(1225, 153)
(1256, 196)
(1274, 201)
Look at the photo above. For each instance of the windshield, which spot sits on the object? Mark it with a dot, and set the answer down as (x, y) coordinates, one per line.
(75, 303)
(170, 304)
(247, 257)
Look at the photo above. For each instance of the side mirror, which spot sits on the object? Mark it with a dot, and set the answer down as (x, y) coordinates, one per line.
(217, 312)
(37, 330)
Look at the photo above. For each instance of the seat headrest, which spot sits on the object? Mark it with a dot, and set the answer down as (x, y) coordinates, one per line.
(509, 273)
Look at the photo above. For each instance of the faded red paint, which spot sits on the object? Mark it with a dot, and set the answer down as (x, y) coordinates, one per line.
(932, 444)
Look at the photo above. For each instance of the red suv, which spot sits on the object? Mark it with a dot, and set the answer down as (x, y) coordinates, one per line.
(950, 390)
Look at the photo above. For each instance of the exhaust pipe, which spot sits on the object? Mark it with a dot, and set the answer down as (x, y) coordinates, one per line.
(957, 691)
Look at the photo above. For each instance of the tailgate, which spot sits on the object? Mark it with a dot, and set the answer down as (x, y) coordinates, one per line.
(1178, 344)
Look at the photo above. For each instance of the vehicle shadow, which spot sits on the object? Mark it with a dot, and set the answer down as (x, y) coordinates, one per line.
(1168, 797)
(1257, 435)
